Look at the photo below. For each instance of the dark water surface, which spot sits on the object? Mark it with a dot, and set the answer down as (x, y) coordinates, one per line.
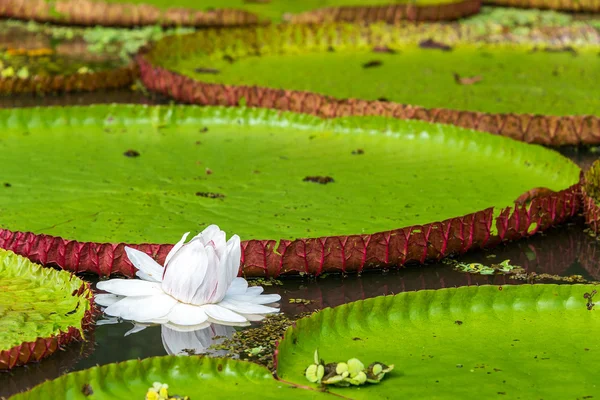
(562, 251)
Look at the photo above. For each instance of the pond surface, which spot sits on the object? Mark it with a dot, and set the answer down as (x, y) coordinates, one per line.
(562, 251)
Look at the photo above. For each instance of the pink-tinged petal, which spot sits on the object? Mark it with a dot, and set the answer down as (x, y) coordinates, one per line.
(176, 248)
(223, 315)
(213, 236)
(186, 272)
(143, 308)
(130, 287)
(106, 300)
(247, 308)
(187, 314)
(264, 299)
(148, 268)
(208, 289)
(238, 286)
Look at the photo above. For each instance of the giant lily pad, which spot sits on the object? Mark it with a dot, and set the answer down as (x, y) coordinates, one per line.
(429, 73)
(530, 341)
(41, 310)
(234, 12)
(366, 192)
(565, 5)
(186, 376)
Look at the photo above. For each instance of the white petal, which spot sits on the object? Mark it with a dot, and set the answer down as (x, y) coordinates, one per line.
(254, 317)
(136, 328)
(187, 314)
(149, 268)
(186, 272)
(247, 308)
(143, 308)
(176, 248)
(107, 321)
(130, 287)
(238, 286)
(187, 328)
(264, 299)
(234, 257)
(222, 315)
(106, 299)
(254, 290)
(208, 290)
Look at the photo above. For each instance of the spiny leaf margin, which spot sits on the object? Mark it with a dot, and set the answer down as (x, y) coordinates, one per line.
(36, 348)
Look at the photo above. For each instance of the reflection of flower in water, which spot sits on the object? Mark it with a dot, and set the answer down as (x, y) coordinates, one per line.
(196, 340)
(197, 285)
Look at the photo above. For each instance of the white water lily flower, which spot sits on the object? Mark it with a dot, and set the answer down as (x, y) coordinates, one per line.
(197, 285)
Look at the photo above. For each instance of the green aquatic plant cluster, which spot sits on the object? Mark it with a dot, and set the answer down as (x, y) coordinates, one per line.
(350, 373)
(504, 267)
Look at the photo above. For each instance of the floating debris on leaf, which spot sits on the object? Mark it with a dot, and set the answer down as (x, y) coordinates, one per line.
(432, 44)
(210, 195)
(358, 152)
(374, 63)
(477, 268)
(131, 153)
(87, 390)
(206, 71)
(589, 297)
(352, 372)
(323, 180)
(467, 80)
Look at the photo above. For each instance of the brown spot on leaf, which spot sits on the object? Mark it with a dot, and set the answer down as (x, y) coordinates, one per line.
(204, 130)
(210, 195)
(201, 70)
(358, 152)
(432, 44)
(383, 99)
(384, 49)
(356, 338)
(323, 180)
(131, 153)
(228, 58)
(372, 64)
(208, 171)
(7, 185)
(219, 367)
(564, 49)
(86, 389)
(467, 80)
(457, 322)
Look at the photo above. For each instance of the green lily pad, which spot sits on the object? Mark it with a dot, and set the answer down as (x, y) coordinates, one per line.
(528, 341)
(131, 174)
(40, 310)
(586, 6)
(438, 74)
(196, 377)
(235, 12)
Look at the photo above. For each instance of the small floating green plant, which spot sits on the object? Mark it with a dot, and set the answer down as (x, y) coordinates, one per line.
(352, 372)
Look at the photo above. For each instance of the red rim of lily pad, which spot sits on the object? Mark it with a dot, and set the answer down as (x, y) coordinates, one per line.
(42, 347)
(315, 256)
(92, 12)
(531, 128)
